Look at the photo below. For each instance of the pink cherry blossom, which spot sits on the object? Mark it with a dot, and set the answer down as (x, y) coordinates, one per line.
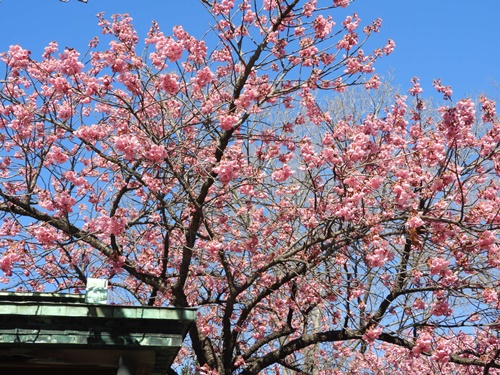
(170, 84)
(423, 344)
(64, 202)
(491, 296)
(227, 122)
(372, 334)
(227, 170)
(389, 47)
(446, 90)
(323, 26)
(342, 3)
(282, 174)
(203, 77)
(17, 57)
(7, 262)
(56, 156)
(358, 234)
(415, 222)
(416, 89)
(46, 236)
(437, 265)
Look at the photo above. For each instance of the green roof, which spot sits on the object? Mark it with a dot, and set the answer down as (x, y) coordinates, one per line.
(47, 330)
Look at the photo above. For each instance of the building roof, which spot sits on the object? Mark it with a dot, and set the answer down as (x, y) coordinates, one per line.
(50, 331)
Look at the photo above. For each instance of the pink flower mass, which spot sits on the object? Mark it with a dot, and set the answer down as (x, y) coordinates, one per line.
(282, 174)
(262, 173)
(437, 265)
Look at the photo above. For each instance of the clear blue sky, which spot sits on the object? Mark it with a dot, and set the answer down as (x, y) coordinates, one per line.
(455, 40)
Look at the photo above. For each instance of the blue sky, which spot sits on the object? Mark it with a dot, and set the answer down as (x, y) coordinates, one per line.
(455, 40)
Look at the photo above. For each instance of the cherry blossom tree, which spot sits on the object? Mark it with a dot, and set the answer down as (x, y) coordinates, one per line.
(210, 173)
